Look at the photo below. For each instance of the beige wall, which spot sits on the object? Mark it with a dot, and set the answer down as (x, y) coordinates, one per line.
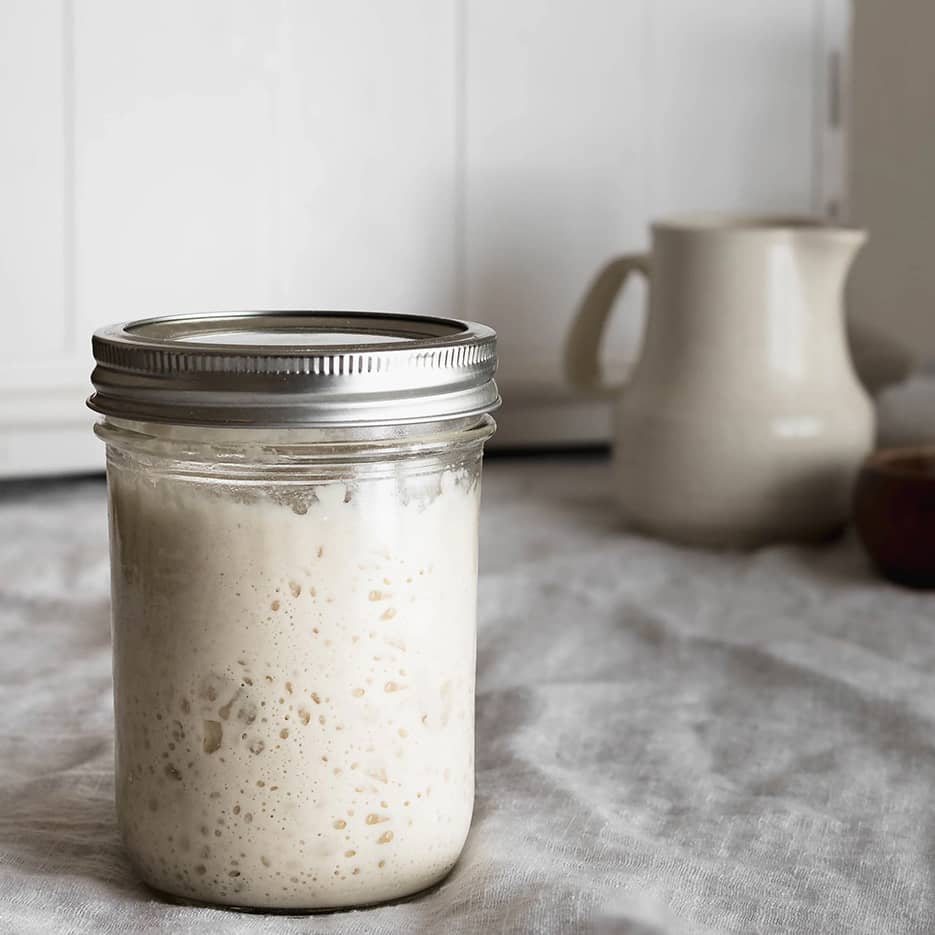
(892, 168)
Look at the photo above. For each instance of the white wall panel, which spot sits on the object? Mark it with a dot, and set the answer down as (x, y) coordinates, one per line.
(731, 111)
(33, 232)
(436, 156)
(252, 154)
(586, 120)
(555, 168)
(365, 149)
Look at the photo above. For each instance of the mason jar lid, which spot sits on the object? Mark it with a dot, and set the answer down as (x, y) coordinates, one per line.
(294, 368)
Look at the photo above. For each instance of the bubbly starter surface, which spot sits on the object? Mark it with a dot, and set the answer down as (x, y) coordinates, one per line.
(294, 683)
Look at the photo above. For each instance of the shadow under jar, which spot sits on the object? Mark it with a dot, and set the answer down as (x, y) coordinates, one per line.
(293, 512)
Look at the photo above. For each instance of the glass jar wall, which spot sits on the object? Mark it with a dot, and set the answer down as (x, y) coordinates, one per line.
(294, 631)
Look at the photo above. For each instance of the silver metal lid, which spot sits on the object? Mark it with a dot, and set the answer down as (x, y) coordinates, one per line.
(294, 368)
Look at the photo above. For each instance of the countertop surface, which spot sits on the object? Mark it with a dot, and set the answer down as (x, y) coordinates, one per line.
(668, 740)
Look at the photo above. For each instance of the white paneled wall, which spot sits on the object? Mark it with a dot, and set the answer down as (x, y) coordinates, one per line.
(264, 154)
(456, 157)
(724, 130)
(33, 165)
(556, 176)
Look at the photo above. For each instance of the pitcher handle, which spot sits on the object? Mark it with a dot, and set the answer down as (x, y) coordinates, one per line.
(582, 361)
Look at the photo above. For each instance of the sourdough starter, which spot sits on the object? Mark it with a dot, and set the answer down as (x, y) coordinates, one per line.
(294, 677)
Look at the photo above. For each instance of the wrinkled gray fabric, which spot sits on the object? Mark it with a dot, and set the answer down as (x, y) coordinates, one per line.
(668, 740)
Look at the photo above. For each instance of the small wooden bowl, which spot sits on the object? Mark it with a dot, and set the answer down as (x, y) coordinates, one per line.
(894, 511)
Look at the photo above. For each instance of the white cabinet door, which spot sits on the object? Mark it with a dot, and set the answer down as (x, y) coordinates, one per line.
(555, 117)
(32, 180)
(42, 425)
(258, 155)
(586, 120)
(463, 157)
(174, 157)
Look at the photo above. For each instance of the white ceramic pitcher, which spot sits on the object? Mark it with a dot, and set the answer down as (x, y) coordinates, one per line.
(744, 421)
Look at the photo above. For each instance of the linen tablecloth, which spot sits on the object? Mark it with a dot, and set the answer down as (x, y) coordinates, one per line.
(668, 740)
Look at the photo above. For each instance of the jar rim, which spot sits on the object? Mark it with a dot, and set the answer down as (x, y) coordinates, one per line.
(294, 368)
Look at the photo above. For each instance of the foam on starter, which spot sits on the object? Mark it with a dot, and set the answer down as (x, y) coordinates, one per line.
(294, 679)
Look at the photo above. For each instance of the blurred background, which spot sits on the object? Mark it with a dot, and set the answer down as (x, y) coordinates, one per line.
(470, 158)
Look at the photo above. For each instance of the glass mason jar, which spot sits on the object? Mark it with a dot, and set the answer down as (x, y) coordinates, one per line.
(293, 513)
